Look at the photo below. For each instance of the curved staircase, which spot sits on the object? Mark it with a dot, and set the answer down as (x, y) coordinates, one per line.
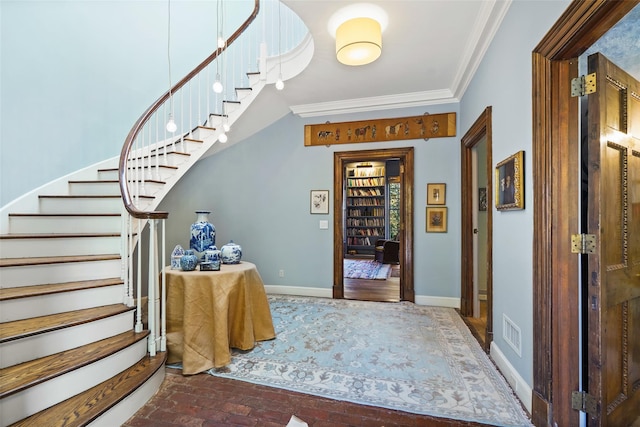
(76, 346)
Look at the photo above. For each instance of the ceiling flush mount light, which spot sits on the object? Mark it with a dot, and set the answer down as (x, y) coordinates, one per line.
(359, 41)
(358, 30)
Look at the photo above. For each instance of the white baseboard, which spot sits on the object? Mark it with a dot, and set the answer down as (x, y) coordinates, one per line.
(299, 291)
(438, 301)
(328, 293)
(517, 383)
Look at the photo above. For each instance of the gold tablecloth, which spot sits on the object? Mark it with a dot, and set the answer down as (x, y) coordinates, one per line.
(208, 312)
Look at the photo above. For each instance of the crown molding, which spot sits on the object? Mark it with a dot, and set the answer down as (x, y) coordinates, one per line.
(375, 103)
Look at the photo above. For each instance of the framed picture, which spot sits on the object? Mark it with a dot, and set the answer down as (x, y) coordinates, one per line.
(436, 220)
(320, 201)
(436, 194)
(509, 183)
(482, 199)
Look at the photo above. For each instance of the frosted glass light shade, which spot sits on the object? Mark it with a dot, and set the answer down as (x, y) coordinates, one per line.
(171, 125)
(358, 41)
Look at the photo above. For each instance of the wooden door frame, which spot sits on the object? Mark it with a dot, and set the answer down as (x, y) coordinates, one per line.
(556, 323)
(480, 129)
(340, 159)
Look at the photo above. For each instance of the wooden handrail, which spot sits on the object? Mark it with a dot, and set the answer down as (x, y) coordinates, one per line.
(137, 127)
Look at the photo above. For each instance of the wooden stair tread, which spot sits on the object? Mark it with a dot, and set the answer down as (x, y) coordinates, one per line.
(94, 181)
(18, 262)
(18, 329)
(79, 196)
(14, 379)
(54, 235)
(48, 289)
(63, 214)
(83, 408)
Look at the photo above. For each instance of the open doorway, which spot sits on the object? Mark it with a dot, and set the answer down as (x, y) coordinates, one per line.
(365, 184)
(477, 218)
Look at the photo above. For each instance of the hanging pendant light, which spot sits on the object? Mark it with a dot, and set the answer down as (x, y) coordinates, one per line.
(171, 124)
(217, 85)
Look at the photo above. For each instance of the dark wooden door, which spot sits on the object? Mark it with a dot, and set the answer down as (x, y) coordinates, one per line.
(613, 306)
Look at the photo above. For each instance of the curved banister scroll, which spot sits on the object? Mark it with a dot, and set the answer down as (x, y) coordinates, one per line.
(139, 124)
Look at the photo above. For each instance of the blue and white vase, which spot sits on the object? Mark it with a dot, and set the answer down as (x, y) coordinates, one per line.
(203, 234)
(231, 253)
(189, 260)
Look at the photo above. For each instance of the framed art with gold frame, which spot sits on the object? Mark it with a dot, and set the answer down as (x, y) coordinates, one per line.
(436, 220)
(509, 183)
(436, 194)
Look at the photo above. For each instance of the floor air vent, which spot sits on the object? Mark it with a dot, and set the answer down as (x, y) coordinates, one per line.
(511, 334)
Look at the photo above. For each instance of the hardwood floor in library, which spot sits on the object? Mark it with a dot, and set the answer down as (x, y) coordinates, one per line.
(374, 290)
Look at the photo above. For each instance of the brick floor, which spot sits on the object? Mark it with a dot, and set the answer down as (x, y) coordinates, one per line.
(204, 401)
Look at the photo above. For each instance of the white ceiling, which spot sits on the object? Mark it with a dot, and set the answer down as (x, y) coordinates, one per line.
(430, 50)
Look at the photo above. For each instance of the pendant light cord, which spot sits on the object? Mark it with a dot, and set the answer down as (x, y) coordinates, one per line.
(169, 53)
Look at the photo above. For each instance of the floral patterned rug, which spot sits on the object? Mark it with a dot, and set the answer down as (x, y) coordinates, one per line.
(365, 269)
(399, 356)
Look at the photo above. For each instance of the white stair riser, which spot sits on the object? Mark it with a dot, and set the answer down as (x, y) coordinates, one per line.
(146, 188)
(59, 273)
(59, 246)
(41, 396)
(127, 407)
(80, 205)
(203, 134)
(93, 188)
(170, 159)
(159, 173)
(33, 347)
(43, 305)
(65, 224)
(109, 175)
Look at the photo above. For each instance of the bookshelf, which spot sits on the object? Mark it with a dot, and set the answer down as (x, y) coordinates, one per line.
(365, 210)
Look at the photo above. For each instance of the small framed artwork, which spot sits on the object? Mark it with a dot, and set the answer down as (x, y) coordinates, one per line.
(436, 220)
(436, 194)
(509, 183)
(482, 199)
(320, 201)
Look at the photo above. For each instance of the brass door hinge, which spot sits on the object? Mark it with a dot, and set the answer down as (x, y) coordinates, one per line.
(583, 243)
(584, 402)
(583, 85)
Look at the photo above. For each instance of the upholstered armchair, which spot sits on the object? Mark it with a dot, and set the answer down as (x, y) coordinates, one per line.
(387, 251)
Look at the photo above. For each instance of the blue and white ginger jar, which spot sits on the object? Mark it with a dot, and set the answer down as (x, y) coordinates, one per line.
(189, 260)
(203, 234)
(231, 253)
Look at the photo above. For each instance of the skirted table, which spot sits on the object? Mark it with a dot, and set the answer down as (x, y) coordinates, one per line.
(209, 312)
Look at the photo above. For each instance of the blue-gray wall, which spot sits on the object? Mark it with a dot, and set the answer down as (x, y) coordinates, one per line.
(258, 193)
(76, 75)
(503, 81)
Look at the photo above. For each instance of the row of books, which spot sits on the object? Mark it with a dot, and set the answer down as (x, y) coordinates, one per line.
(365, 202)
(373, 191)
(364, 182)
(365, 232)
(359, 241)
(365, 222)
(366, 212)
(364, 172)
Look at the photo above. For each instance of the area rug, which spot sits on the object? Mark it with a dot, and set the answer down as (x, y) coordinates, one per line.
(398, 356)
(365, 269)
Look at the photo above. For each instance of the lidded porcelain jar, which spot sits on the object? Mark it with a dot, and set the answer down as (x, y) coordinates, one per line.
(213, 256)
(231, 253)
